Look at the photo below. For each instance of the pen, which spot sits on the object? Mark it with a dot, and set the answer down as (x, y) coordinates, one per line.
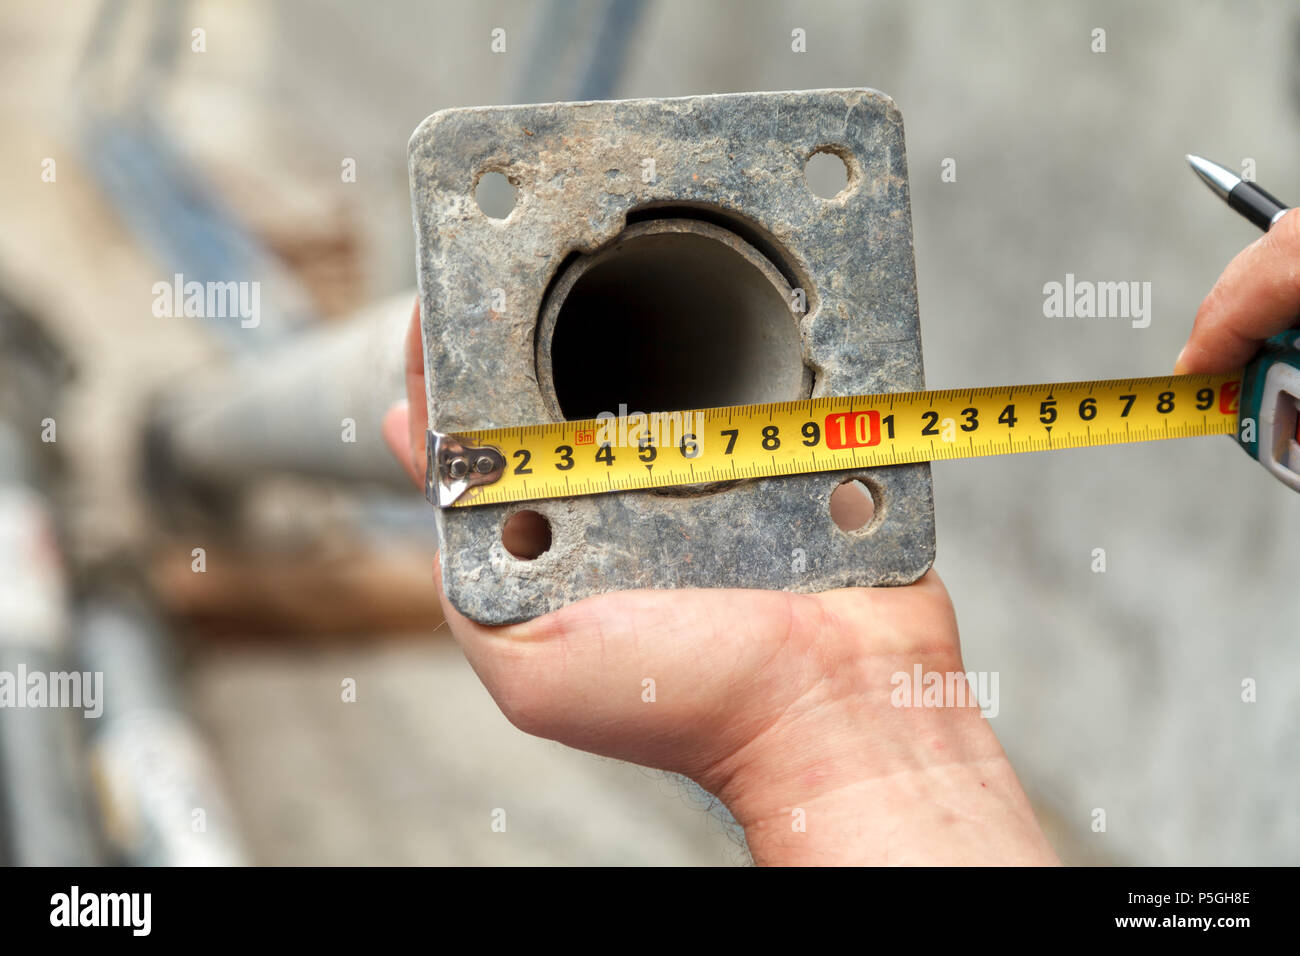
(1256, 204)
(1268, 400)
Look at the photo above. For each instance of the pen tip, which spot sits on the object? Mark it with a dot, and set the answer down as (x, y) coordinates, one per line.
(1221, 180)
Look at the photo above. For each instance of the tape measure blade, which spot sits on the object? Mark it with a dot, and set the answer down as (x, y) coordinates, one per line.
(844, 433)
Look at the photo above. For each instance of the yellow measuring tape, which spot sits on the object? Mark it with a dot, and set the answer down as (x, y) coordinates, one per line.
(634, 451)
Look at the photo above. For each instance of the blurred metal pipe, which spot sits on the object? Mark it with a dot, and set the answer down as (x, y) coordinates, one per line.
(159, 193)
(566, 43)
(41, 787)
(607, 53)
(44, 819)
(180, 220)
(554, 29)
(311, 407)
(160, 799)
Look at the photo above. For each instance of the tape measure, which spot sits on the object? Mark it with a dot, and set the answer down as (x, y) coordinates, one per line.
(632, 451)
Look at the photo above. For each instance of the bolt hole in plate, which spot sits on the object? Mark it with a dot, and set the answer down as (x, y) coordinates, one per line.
(526, 535)
(853, 506)
(495, 195)
(827, 173)
(523, 322)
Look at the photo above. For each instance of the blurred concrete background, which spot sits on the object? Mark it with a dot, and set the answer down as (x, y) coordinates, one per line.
(1119, 691)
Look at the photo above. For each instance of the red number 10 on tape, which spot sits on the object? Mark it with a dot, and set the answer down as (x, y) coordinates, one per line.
(853, 429)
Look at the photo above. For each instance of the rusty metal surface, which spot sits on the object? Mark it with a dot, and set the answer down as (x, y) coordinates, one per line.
(735, 161)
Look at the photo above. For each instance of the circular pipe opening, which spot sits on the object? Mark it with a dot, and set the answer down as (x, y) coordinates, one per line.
(674, 314)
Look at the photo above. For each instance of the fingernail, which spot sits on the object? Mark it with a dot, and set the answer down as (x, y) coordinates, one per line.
(1180, 364)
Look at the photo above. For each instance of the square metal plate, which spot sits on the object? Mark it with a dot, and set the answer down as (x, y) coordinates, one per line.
(579, 174)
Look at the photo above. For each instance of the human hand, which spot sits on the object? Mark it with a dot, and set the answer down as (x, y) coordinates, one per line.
(779, 704)
(1257, 296)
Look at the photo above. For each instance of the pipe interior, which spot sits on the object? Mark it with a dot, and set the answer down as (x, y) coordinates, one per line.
(674, 320)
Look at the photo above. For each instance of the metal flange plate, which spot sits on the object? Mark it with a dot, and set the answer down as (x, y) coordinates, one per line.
(580, 175)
